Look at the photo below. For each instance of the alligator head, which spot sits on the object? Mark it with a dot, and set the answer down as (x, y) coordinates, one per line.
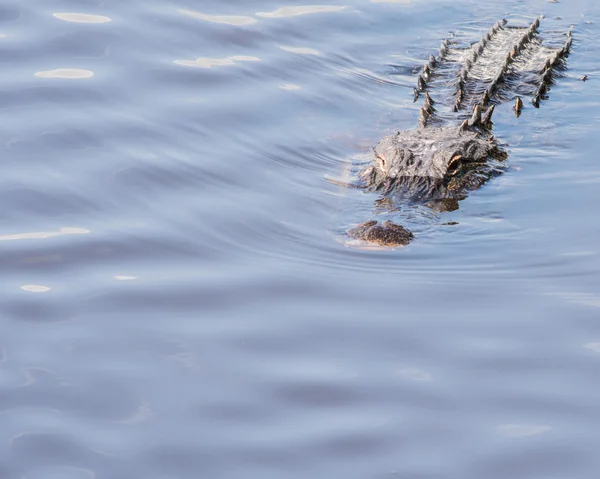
(432, 166)
(429, 164)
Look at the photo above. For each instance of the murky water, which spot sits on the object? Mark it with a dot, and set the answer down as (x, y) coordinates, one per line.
(176, 302)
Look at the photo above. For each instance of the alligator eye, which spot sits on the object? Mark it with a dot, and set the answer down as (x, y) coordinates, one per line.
(381, 162)
(454, 164)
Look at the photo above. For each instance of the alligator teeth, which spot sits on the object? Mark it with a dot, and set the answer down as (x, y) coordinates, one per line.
(428, 99)
(421, 83)
(432, 62)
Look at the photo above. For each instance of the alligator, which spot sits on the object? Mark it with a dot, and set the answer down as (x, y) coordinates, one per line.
(453, 150)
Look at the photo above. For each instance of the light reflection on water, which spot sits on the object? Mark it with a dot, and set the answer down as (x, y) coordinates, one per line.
(301, 10)
(82, 18)
(70, 73)
(176, 302)
(237, 20)
(216, 62)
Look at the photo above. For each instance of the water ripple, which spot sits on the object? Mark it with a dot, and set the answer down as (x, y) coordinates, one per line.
(82, 18)
(236, 20)
(216, 62)
(300, 10)
(175, 300)
(68, 73)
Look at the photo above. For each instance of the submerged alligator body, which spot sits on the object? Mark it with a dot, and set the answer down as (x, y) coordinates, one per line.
(453, 150)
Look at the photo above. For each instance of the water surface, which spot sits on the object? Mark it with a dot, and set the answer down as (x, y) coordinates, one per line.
(176, 302)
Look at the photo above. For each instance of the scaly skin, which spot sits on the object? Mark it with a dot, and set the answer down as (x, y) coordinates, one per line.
(439, 163)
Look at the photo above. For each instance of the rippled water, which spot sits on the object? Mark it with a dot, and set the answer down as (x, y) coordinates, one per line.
(177, 303)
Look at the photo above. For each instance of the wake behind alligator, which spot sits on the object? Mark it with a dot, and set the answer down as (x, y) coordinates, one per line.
(453, 151)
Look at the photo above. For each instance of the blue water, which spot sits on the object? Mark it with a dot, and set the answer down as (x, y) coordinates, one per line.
(177, 300)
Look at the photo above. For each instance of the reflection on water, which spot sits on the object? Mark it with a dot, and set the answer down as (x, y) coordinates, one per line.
(300, 50)
(227, 19)
(593, 346)
(82, 18)
(69, 73)
(522, 430)
(300, 10)
(393, 1)
(216, 62)
(35, 288)
(414, 374)
(175, 303)
(585, 299)
(44, 234)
